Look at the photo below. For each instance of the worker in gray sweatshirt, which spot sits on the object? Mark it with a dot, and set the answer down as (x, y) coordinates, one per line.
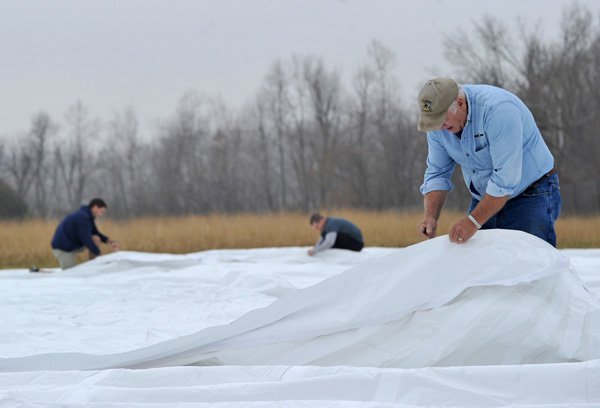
(335, 233)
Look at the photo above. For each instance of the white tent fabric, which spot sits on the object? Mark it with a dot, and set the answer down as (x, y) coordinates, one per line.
(539, 385)
(498, 303)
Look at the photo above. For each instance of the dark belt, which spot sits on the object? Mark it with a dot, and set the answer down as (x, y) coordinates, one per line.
(545, 176)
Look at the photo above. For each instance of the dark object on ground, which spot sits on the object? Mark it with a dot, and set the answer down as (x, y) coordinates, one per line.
(36, 269)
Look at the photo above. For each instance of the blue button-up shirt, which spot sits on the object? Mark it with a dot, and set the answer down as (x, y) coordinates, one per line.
(501, 151)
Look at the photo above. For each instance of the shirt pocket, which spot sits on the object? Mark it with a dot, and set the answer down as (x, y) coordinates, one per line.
(481, 142)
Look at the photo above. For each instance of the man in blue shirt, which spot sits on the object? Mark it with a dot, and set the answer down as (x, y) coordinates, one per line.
(505, 163)
(335, 233)
(78, 230)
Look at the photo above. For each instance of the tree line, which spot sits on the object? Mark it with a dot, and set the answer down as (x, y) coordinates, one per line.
(308, 140)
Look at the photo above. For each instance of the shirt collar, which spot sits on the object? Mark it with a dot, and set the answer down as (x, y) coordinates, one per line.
(469, 106)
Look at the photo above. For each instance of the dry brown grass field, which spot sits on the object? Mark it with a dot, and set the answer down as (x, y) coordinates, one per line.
(25, 243)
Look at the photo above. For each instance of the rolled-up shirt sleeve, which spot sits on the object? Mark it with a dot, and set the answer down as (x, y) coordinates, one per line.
(326, 242)
(505, 135)
(440, 167)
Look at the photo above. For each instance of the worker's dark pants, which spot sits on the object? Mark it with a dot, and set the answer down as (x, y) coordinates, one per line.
(344, 241)
(534, 210)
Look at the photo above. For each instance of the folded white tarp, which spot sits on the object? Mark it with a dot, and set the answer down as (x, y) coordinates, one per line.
(540, 385)
(503, 298)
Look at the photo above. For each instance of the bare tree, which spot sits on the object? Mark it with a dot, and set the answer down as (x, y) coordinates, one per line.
(182, 173)
(123, 159)
(264, 150)
(300, 154)
(277, 99)
(75, 157)
(488, 55)
(225, 160)
(44, 173)
(325, 92)
(358, 147)
(19, 166)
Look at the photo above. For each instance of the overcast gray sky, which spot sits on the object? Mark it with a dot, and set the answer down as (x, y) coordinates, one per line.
(111, 54)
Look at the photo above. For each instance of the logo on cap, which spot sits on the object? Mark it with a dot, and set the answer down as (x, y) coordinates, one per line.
(426, 106)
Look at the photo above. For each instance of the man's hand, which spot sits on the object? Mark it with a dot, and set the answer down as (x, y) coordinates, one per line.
(427, 227)
(462, 231)
(311, 252)
(433, 202)
(114, 245)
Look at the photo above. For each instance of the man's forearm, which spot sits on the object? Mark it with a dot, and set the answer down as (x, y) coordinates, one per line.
(326, 243)
(433, 202)
(488, 207)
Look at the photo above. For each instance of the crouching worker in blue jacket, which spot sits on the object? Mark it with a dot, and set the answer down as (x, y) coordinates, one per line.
(335, 233)
(78, 231)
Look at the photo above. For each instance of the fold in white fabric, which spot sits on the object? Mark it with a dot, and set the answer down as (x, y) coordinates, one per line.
(541, 385)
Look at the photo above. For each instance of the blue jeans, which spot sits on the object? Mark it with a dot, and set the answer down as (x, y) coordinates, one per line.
(534, 210)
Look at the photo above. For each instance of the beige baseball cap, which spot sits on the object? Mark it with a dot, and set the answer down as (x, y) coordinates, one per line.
(435, 98)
